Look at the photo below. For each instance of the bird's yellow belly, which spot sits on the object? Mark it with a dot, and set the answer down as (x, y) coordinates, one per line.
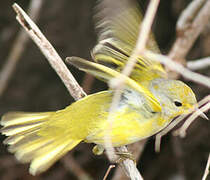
(126, 129)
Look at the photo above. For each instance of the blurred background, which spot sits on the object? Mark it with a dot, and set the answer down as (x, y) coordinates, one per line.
(35, 87)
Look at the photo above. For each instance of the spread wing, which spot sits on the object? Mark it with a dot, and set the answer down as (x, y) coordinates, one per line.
(118, 24)
(107, 74)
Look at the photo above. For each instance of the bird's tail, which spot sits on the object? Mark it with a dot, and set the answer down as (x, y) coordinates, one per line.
(30, 143)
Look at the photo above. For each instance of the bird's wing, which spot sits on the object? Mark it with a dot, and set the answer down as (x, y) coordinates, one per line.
(107, 74)
(118, 24)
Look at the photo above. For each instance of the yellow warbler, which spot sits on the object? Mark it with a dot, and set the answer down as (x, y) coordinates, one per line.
(148, 104)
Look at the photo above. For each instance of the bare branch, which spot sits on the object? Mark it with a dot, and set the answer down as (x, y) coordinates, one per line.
(207, 169)
(187, 37)
(166, 130)
(189, 14)
(136, 149)
(18, 47)
(182, 131)
(177, 121)
(199, 64)
(108, 171)
(50, 53)
(129, 167)
(178, 68)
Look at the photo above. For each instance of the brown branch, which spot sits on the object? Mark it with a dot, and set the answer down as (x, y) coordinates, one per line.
(136, 149)
(18, 47)
(108, 171)
(206, 173)
(199, 63)
(177, 67)
(178, 120)
(187, 36)
(188, 15)
(205, 106)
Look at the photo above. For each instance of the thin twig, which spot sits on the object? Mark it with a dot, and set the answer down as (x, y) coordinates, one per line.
(159, 136)
(188, 15)
(201, 79)
(207, 169)
(18, 47)
(108, 171)
(199, 63)
(182, 130)
(186, 39)
(175, 122)
(50, 53)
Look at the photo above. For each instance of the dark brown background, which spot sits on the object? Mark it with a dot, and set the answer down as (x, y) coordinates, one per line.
(34, 86)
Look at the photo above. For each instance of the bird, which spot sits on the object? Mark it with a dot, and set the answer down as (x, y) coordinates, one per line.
(148, 103)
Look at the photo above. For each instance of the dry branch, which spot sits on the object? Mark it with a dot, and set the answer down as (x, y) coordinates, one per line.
(206, 172)
(176, 121)
(187, 36)
(108, 171)
(199, 64)
(177, 67)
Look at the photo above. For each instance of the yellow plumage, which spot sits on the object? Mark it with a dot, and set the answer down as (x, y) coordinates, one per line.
(148, 104)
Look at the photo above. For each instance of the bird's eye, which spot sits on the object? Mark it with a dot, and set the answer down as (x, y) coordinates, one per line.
(177, 103)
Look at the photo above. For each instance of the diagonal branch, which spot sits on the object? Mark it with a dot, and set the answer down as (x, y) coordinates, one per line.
(206, 173)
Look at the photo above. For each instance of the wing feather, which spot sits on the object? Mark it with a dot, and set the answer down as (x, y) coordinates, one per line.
(118, 24)
(107, 74)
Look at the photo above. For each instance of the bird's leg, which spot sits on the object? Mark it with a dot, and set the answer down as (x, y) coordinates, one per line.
(125, 155)
(99, 149)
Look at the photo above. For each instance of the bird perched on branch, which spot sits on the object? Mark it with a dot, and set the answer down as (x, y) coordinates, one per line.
(148, 102)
